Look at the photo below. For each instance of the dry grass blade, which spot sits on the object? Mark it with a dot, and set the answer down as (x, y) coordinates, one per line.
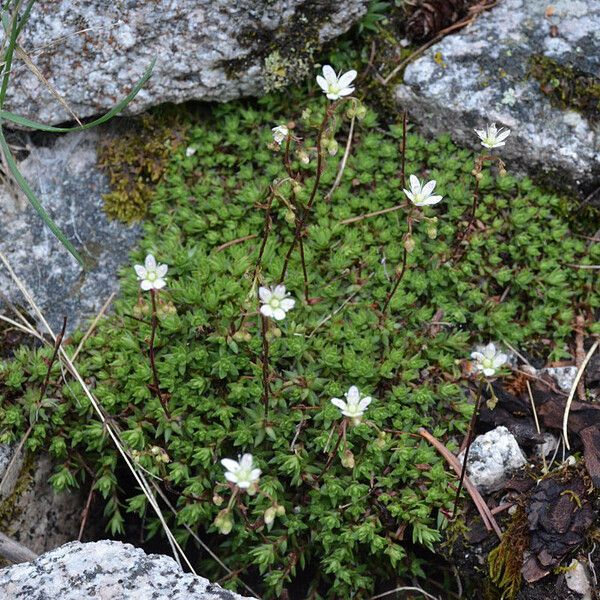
(486, 514)
(573, 390)
(342, 166)
(405, 589)
(31, 66)
(92, 326)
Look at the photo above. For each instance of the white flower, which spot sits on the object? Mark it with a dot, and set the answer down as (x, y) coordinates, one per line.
(488, 359)
(242, 471)
(492, 137)
(150, 274)
(420, 195)
(190, 151)
(275, 302)
(280, 133)
(336, 86)
(354, 406)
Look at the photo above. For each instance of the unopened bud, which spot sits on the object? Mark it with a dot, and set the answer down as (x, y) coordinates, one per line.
(332, 147)
(409, 243)
(361, 112)
(280, 511)
(218, 499)
(223, 522)
(502, 172)
(348, 460)
(431, 232)
(269, 515)
(297, 187)
(290, 216)
(303, 157)
(479, 176)
(381, 440)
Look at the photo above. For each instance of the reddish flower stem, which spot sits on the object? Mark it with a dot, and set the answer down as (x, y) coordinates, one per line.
(155, 387)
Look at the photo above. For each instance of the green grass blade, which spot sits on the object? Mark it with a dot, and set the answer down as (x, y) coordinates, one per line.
(14, 169)
(23, 121)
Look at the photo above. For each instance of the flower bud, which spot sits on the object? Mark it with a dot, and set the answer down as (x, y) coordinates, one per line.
(223, 522)
(303, 157)
(218, 499)
(348, 460)
(409, 243)
(479, 176)
(381, 440)
(290, 216)
(332, 147)
(361, 112)
(280, 511)
(297, 187)
(269, 515)
(431, 232)
(251, 491)
(502, 172)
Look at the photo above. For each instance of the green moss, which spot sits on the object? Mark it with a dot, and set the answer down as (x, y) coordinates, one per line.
(506, 560)
(567, 86)
(135, 163)
(8, 507)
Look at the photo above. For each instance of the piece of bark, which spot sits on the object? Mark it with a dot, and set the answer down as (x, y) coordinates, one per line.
(14, 552)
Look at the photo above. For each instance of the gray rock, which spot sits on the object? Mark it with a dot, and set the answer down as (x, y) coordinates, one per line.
(564, 376)
(578, 580)
(493, 456)
(93, 51)
(105, 570)
(32, 512)
(481, 75)
(70, 187)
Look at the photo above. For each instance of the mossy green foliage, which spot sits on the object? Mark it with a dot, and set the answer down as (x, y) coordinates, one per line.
(506, 560)
(567, 86)
(351, 526)
(135, 162)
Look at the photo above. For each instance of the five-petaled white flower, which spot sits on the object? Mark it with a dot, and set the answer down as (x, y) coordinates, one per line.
(354, 406)
(275, 302)
(488, 359)
(492, 137)
(420, 195)
(151, 275)
(280, 133)
(242, 471)
(336, 86)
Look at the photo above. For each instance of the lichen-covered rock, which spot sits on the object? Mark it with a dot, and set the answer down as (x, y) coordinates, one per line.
(493, 457)
(530, 65)
(70, 186)
(105, 570)
(92, 51)
(31, 511)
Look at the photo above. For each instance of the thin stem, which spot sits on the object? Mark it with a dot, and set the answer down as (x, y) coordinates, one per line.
(304, 271)
(301, 220)
(265, 364)
(342, 435)
(403, 148)
(470, 435)
(57, 344)
(156, 382)
(399, 274)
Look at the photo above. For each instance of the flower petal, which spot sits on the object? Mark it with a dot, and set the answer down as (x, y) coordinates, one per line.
(353, 395)
(362, 405)
(287, 304)
(230, 465)
(231, 477)
(346, 91)
(255, 474)
(150, 262)
(410, 195)
(279, 291)
(500, 359)
(503, 134)
(266, 310)
(490, 350)
(159, 284)
(347, 78)
(488, 372)
(264, 294)
(322, 83)
(477, 356)
(244, 484)
(329, 74)
(279, 314)
(339, 403)
(428, 187)
(146, 285)
(415, 184)
(161, 270)
(246, 461)
(333, 96)
(140, 271)
(430, 201)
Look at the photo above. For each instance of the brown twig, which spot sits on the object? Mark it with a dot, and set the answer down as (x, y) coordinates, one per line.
(86, 512)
